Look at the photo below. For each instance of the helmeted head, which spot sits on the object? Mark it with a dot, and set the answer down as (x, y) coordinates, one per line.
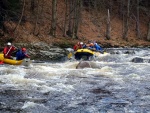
(9, 44)
(91, 44)
(81, 43)
(24, 49)
(95, 43)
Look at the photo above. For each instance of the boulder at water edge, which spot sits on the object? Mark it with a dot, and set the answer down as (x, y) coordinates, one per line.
(87, 64)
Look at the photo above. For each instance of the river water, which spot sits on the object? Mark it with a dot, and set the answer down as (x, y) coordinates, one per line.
(117, 86)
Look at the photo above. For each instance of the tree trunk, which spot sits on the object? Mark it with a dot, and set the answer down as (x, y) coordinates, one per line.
(95, 7)
(108, 29)
(69, 32)
(137, 22)
(126, 26)
(36, 30)
(78, 16)
(121, 7)
(123, 16)
(53, 23)
(74, 18)
(65, 21)
(21, 16)
(32, 5)
(148, 35)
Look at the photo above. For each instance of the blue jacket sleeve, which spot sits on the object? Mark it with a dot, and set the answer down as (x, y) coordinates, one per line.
(98, 47)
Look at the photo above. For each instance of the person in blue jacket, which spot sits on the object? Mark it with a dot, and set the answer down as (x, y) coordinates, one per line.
(98, 47)
(21, 54)
(95, 47)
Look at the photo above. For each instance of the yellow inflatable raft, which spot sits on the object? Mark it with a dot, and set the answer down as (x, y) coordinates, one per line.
(85, 54)
(10, 61)
(85, 51)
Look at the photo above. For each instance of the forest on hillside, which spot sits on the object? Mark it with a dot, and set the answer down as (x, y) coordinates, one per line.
(108, 19)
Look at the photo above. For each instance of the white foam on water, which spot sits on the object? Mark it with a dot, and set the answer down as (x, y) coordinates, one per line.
(19, 81)
(63, 87)
(45, 88)
(106, 69)
(28, 104)
(134, 76)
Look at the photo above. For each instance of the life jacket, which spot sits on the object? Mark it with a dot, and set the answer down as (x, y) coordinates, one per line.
(1, 62)
(8, 51)
(21, 55)
(77, 46)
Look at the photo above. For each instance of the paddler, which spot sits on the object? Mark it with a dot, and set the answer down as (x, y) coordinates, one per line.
(78, 46)
(8, 50)
(21, 54)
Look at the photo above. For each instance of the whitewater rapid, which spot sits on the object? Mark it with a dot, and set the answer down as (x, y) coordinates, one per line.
(117, 85)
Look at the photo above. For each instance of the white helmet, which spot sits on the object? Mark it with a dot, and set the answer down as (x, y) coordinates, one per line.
(81, 43)
(9, 44)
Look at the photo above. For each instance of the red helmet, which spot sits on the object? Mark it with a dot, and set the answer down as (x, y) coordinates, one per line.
(23, 49)
(91, 44)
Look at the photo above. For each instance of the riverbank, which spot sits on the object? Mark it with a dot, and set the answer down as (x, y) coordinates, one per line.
(56, 50)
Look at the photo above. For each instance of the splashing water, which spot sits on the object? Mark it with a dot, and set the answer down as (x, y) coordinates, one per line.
(117, 86)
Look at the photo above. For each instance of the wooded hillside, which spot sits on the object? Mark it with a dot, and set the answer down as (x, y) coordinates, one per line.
(65, 22)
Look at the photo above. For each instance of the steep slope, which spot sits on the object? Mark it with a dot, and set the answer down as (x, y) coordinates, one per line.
(35, 27)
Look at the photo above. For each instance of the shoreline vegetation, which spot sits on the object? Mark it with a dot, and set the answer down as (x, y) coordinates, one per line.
(110, 23)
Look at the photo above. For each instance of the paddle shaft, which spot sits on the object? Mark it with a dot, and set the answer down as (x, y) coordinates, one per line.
(8, 50)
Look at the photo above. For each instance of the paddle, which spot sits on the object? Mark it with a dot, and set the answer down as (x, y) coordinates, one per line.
(13, 52)
(26, 62)
(70, 55)
(8, 51)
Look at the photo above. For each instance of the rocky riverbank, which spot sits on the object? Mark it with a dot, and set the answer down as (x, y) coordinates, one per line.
(41, 51)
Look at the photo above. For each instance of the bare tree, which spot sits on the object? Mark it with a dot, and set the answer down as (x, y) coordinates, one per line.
(32, 5)
(123, 16)
(78, 16)
(126, 25)
(74, 17)
(77, 10)
(121, 7)
(53, 22)
(69, 31)
(21, 16)
(36, 30)
(65, 21)
(138, 21)
(108, 29)
(148, 35)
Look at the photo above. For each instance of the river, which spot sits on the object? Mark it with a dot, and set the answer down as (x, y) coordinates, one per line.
(117, 86)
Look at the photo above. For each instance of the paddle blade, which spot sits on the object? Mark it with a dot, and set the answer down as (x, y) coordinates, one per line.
(70, 55)
(97, 54)
(26, 62)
